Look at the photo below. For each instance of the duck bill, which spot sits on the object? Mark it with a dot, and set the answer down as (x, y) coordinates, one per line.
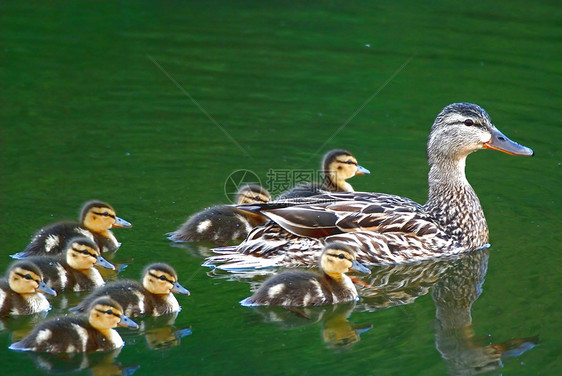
(360, 268)
(127, 322)
(362, 171)
(104, 263)
(120, 222)
(179, 289)
(500, 142)
(45, 289)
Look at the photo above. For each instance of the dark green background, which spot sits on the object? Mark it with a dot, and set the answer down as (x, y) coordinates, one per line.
(95, 103)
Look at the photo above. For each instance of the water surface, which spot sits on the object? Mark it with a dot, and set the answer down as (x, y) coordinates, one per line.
(151, 107)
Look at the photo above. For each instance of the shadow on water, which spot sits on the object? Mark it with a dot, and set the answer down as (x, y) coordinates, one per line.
(454, 286)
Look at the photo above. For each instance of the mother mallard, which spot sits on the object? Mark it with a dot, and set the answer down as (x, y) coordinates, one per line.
(383, 228)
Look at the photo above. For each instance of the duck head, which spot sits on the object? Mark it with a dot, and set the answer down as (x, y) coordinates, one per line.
(99, 216)
(24, 277)
(162, 279)
(83, 253)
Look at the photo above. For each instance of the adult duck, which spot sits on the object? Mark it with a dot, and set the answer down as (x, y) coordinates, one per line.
(383, 228)
(338, 166)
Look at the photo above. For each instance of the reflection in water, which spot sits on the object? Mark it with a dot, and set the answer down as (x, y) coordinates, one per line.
(455, 285)
(337, 331)
(455, 338)
(158, 332)
(99, 363)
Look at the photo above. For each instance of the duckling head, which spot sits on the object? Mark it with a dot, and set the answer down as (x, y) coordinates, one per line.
(462, 128)
(99, 216)
(252, 194)
(83, 253)
(24, 277)
(338, 258)
(162, 279)
(106, 313)
(340, 165)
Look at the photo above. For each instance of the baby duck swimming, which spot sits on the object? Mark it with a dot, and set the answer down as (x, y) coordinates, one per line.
(222, 223)
(303, 288)
(152, 297)
(74, 270)
(71, 334)
(21, 292)
(96, 219)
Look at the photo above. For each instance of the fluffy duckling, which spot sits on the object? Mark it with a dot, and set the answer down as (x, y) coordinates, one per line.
(75, 269)
(152, 297)
(20, 292)
(338, 165)
(223, 223)
(96, 219)
(79, 333)
(302, 288)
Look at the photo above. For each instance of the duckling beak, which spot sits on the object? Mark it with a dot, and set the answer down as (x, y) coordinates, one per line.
(360, 268)
(500, 142)
(45, 289)
(127, 322)
(120, 222)
(362, 171)
(104, 263)
(179, 289)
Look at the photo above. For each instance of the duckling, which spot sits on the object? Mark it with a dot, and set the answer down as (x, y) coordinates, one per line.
(152, 297)
(96, 219)
(303, 288)
(69, 334)
(222, 223)
(20, 292)
(75, 269)
(338, 165)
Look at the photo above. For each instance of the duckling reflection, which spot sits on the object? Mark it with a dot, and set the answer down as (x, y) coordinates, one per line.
(455, 338)
(99, 363)
(337, 330)
(159, 332)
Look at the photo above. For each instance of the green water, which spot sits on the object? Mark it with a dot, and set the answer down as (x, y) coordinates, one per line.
(151, 105)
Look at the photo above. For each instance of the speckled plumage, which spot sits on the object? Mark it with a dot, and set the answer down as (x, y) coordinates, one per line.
(382, 228)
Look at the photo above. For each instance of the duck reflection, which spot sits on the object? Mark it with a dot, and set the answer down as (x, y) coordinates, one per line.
(98, 363)
(337, 331)
(455, 338)
(454, 285)
(158, 331)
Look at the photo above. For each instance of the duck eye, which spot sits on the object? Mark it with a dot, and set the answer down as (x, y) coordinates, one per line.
(341, 256)
(468, 122)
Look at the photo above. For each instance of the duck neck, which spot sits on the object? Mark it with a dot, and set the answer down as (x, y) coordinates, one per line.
(455, 205)
(335, 182)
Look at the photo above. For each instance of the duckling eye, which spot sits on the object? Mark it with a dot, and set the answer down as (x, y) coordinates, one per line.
(468, 122)
(341, 256)
(26, 276)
